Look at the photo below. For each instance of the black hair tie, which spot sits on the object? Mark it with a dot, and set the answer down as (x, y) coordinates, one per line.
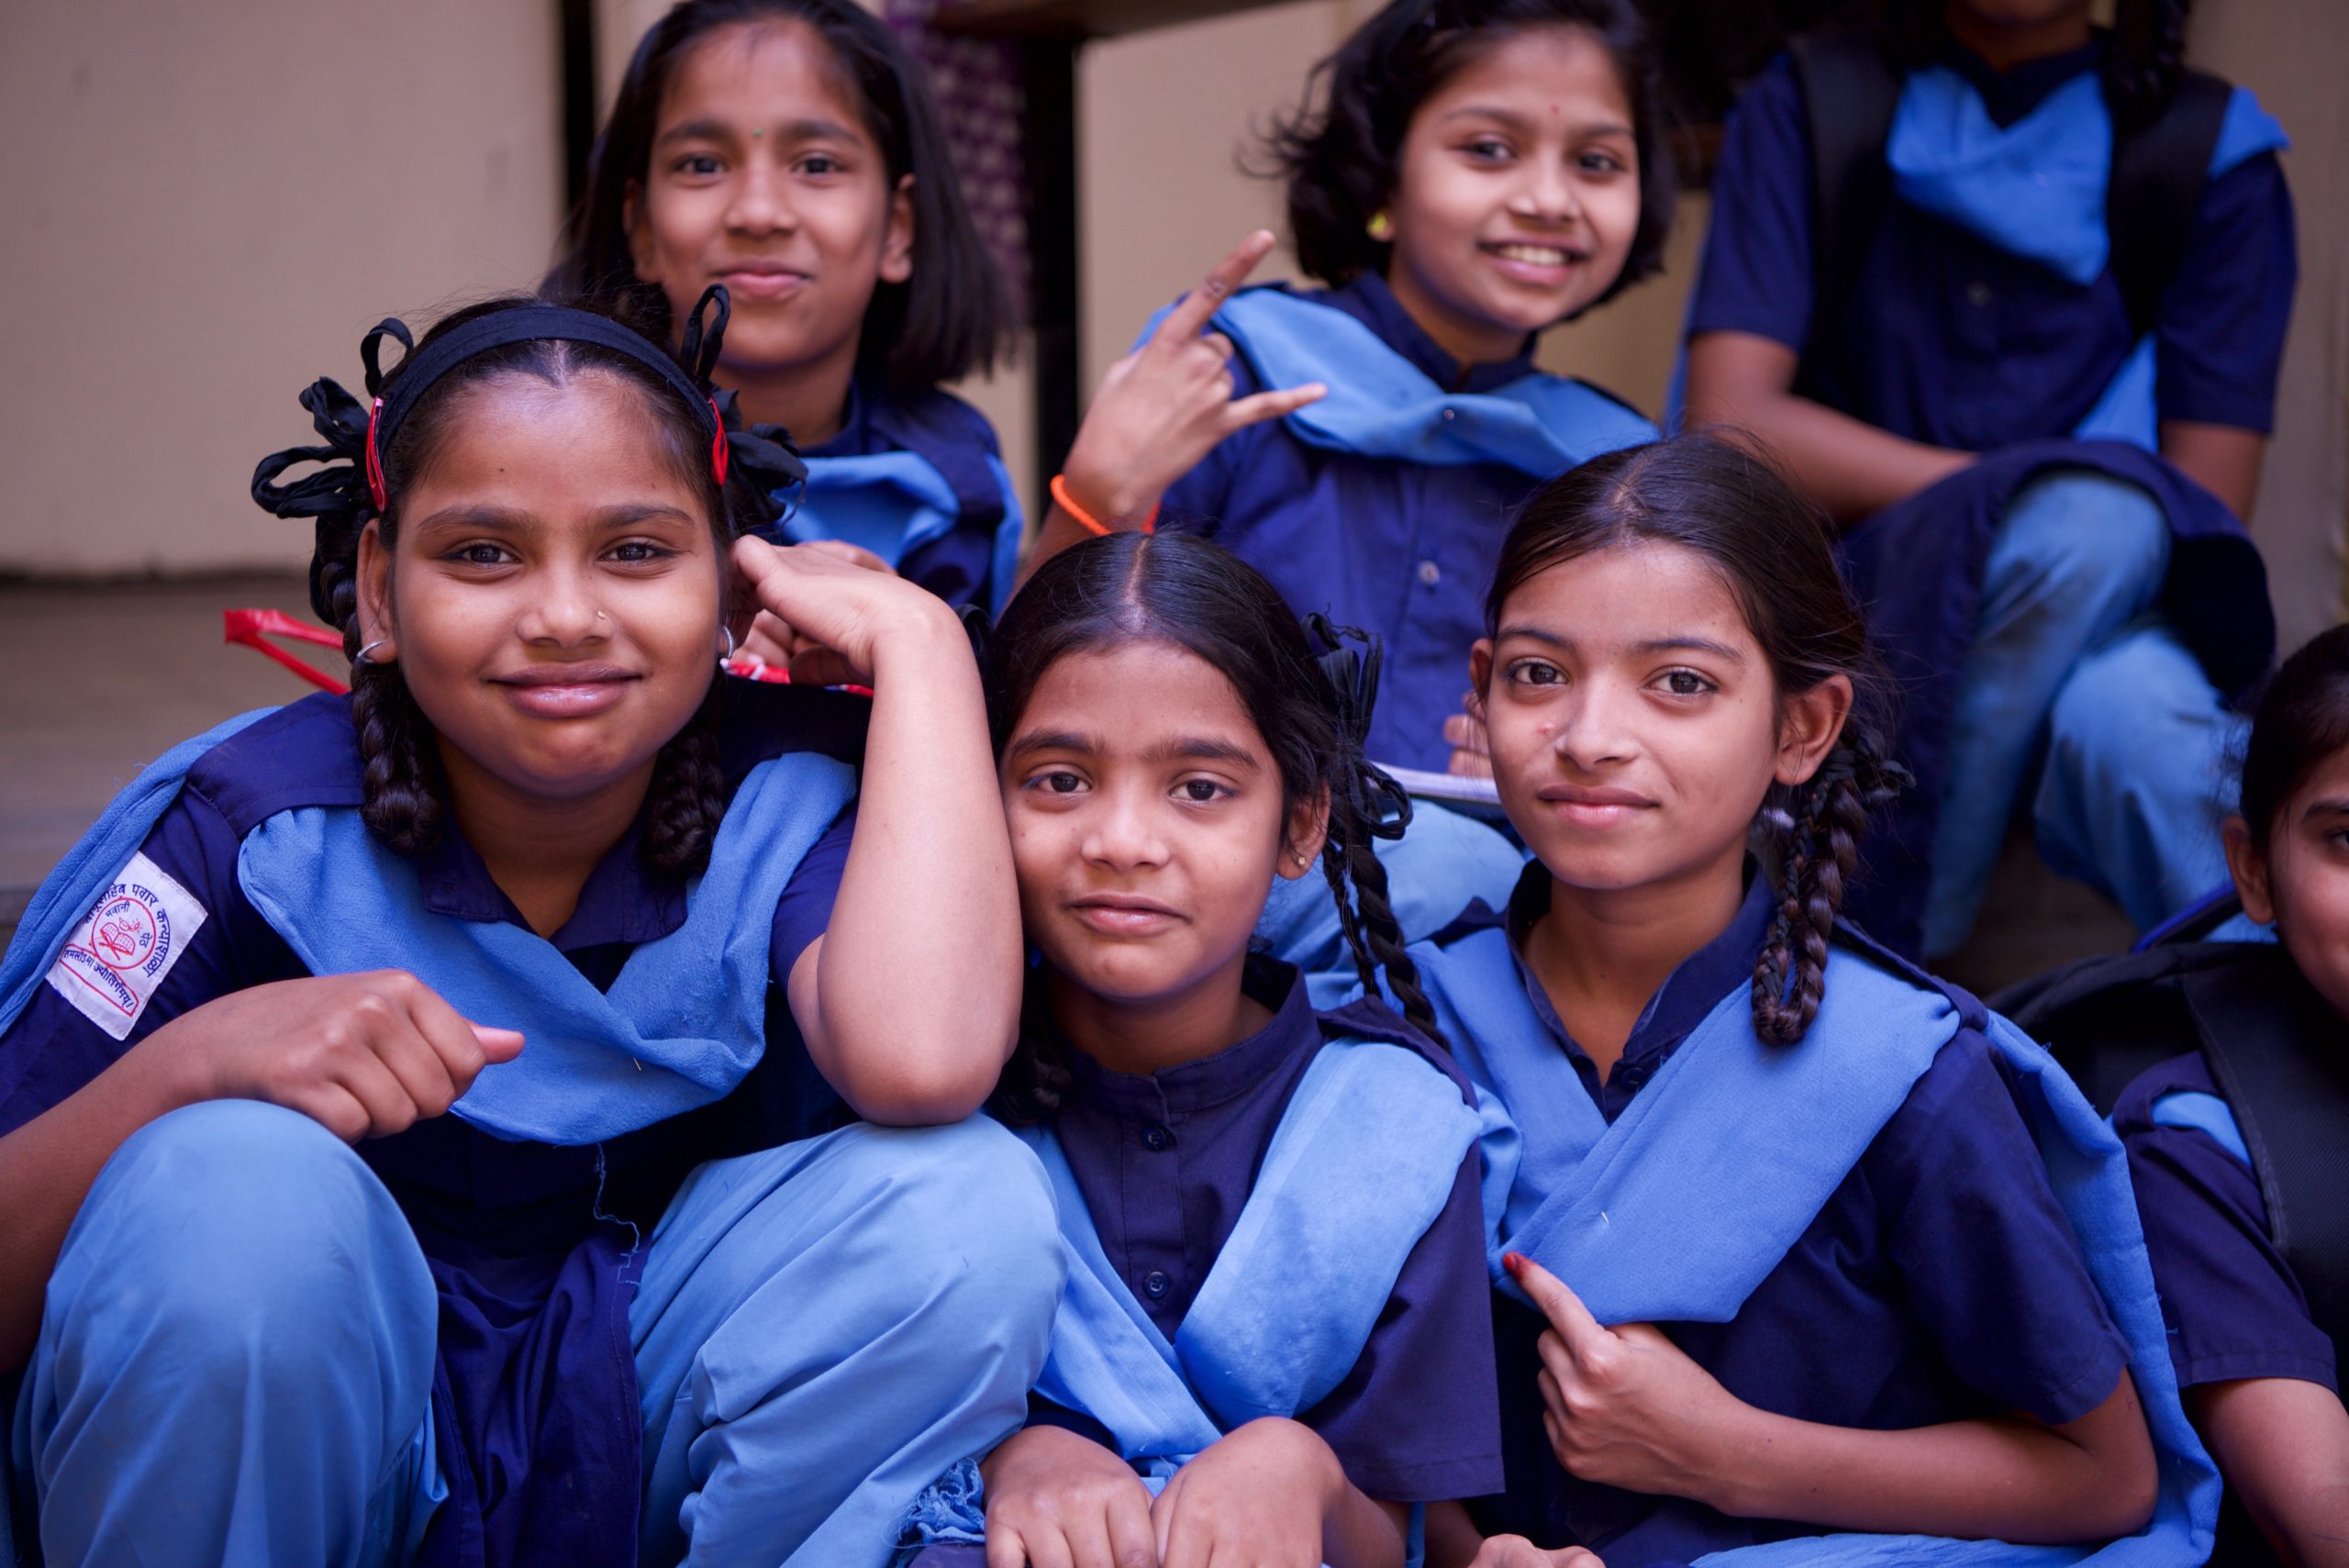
(339, 486)
(1351, 670)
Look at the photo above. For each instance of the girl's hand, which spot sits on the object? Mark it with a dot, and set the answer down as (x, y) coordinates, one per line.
(1059, 1500)
(1626, 1407)
(772, 641)
(1256, 1498)
(363, 1055)
(1470, 743)
(1516, 1551)
(835, 614)
(1165, 406)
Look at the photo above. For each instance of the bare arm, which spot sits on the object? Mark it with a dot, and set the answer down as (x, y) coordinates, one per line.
(2222, 459)
(1741, 381)
(2282, 1446)
(911, 999)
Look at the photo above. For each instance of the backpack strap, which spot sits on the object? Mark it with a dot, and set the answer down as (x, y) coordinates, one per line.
(1850, 90)
(2110, 1017)
(2158, 172)
(2280, 1056)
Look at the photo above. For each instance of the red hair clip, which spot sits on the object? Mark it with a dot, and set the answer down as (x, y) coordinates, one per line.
(374, 459)
(718, 451)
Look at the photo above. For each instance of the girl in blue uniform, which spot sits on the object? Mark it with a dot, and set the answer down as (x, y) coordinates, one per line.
(790, 150)
(1477, 170)
(1789, 1237)
(413, 1106)
(1274, 1343)
(2006, 296)
(2231, 1138)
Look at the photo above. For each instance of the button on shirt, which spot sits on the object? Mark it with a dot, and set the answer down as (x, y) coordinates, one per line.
(1166, 1160)
(1403, 550)
(1939, 1282)
(1946, 337)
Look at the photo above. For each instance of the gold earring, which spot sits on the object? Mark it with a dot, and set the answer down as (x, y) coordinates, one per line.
(1381, 227)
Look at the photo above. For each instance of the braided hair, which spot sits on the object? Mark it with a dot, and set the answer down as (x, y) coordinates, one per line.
(1773, 551)
(404, 786)
(1309, 692)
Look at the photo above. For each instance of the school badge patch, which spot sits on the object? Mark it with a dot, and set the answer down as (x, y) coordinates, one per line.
(123, 948)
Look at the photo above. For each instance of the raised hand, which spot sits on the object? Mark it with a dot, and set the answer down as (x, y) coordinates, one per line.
(363, 1055)
(834, 613)
(772, 641)
(1625, 1407)
(1165, 406)
(1470, 743)
(1059, 1500)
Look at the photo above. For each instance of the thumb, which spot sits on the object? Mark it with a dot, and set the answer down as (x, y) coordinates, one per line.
(1562, 1307)
(756, 559)
(497, 1045)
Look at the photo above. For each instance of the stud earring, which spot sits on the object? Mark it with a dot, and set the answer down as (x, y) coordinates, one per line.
(1381, 227)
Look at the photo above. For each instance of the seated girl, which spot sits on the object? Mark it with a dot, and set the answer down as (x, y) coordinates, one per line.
(1789, 1237)
(2231, 1140)
(1274, 1343)
(791, 150)
(1477, 170)
(413, 1106)
(2007, 293)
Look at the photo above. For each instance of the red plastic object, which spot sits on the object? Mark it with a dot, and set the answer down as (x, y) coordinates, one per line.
(254, 628)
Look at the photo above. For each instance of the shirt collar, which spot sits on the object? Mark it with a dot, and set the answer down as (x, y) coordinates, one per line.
(2010, 94)
(1212, 1080)
(1368, 300)
(1694, 988)
(854, 437)
(624, 900)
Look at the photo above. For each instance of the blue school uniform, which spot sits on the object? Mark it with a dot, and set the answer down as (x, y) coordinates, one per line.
(918, 478)
(1927, 1273)
(1158, 1176)
(470, 1344)
(1983, 317)
(1385, 505)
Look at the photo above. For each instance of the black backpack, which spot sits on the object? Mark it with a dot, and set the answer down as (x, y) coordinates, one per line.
(1850, 89)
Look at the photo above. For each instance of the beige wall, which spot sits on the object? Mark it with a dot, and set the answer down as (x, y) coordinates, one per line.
(206, 205)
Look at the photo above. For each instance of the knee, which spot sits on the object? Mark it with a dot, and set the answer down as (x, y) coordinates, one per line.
(971, 1203)
(2084, 528)
(235, 1234)
(2140, 712)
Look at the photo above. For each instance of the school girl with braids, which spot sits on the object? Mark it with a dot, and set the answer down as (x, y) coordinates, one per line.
(1788, 1237)
(2006, 295)
(422, 1112)
(791, 149)
(1273, 1344)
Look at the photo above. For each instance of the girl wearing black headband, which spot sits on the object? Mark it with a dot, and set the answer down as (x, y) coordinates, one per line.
(547, 872)
(791, 149)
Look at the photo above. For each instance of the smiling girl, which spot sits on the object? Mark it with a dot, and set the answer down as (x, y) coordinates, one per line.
(440, 1174)
(790, 150)
(1274, 1340)
(1776, 1247)
(1478, 170)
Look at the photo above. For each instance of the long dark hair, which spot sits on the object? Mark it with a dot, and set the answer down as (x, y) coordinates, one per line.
(1313, 711)
(2303, 718)
(1342, 160)
(1771, 549)
(405, 803)
(2141, 64)
(945, 321)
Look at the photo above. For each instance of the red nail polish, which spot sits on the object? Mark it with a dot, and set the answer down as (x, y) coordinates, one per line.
(1513, 1262)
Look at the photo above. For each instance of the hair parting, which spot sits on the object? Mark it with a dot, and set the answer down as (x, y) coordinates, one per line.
(1772, 551)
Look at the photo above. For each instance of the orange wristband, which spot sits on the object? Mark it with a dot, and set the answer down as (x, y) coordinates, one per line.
(1086, 519)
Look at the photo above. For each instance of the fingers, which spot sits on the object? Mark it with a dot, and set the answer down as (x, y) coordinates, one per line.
(1562, 1307)
(456, 1043)
(1469, 765)
(496, 1045)
(854, 554)
(1192, 311)
(1006, 1549)
(1257, 408)
(1132, 1543)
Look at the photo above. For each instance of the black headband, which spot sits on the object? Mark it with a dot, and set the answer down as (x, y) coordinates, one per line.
(532, 323)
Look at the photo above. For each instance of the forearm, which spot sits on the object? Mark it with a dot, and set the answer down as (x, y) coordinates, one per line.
(46, 1169)
(1852, 469)
(2282, 1446)
(2004, 1479)
(1060, 531)
(2222, 459)
(918, 977)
